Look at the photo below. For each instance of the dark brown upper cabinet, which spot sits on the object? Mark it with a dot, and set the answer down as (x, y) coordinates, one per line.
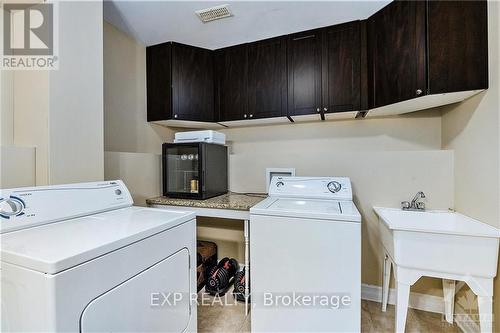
(231, 68)
(341, 63)
(159, 81)
(396, 39)
(423, 48)
(251, 80)
(180, 83)
(324, 70)
(304, 73)
(458, 46)
(266, 79)
(409, 56)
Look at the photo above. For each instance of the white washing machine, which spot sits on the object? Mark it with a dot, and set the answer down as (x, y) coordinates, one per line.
(81, 258)
(305, 251)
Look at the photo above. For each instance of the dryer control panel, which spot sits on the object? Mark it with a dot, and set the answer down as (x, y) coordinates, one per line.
(335, 188)
(27, 207)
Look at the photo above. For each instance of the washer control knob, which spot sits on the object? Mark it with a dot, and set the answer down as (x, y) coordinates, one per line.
(334, 186)
(118, 191)
(11, 207)
(279, 184)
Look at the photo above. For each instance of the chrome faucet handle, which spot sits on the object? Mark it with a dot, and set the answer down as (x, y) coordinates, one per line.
(405, 205)
(420, 205)
(414, 201)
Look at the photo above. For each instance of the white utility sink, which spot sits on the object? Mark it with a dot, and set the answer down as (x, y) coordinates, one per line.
(440, 244)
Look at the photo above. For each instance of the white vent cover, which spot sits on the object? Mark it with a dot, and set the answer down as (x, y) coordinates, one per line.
(213, 13)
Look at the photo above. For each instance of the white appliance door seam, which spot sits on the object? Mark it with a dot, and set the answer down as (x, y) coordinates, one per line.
(135, 275)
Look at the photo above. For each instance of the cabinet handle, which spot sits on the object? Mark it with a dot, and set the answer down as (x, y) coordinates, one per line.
(251, 116)
(318, 110)
(175, 116)
(244, 116)
(419, 92)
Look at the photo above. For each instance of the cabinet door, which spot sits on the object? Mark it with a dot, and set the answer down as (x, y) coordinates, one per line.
(192, 83)
(458, 46)
(231, 86)
(397, 53)
(304, 73)
(267, 79)
(158, 81)
(341, 68)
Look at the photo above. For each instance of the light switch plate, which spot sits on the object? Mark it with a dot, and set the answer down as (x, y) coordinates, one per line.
(271, 172)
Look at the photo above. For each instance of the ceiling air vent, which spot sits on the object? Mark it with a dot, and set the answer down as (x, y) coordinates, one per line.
(213, 13)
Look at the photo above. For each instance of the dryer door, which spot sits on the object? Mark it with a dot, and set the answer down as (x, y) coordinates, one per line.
(156, 299)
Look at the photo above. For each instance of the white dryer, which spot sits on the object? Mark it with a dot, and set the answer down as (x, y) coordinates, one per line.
(81, 258)
(305, 251)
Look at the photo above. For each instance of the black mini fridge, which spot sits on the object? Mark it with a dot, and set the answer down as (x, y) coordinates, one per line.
(195, 170)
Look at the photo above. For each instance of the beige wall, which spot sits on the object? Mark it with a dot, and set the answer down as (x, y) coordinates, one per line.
(76, 144)
(25, 125)
(141, 172)
(31, 118)
(472, 130)
(125, 126)
(6, 105)
(18, 169)
(132, 145)
(322, 142)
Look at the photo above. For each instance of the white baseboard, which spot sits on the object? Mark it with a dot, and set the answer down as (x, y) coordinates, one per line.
(422, 302)
(417, 301)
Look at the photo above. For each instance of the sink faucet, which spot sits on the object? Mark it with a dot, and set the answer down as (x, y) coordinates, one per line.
(414, 204)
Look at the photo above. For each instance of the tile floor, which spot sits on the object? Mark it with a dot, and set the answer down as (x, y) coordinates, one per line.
(228, 316)
(222, 315)
(374, 320)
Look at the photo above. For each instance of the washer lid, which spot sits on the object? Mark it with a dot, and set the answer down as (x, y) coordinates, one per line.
(55, 247)
(307, 205)
(308, 208)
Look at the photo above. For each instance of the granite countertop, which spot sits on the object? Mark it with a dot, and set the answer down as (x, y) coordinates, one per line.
(229, 200)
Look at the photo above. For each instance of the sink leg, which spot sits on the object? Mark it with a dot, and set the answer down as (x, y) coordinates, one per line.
(402, 298)
(449, 299)
(246, 224)
(386, 280)
(485, 304)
